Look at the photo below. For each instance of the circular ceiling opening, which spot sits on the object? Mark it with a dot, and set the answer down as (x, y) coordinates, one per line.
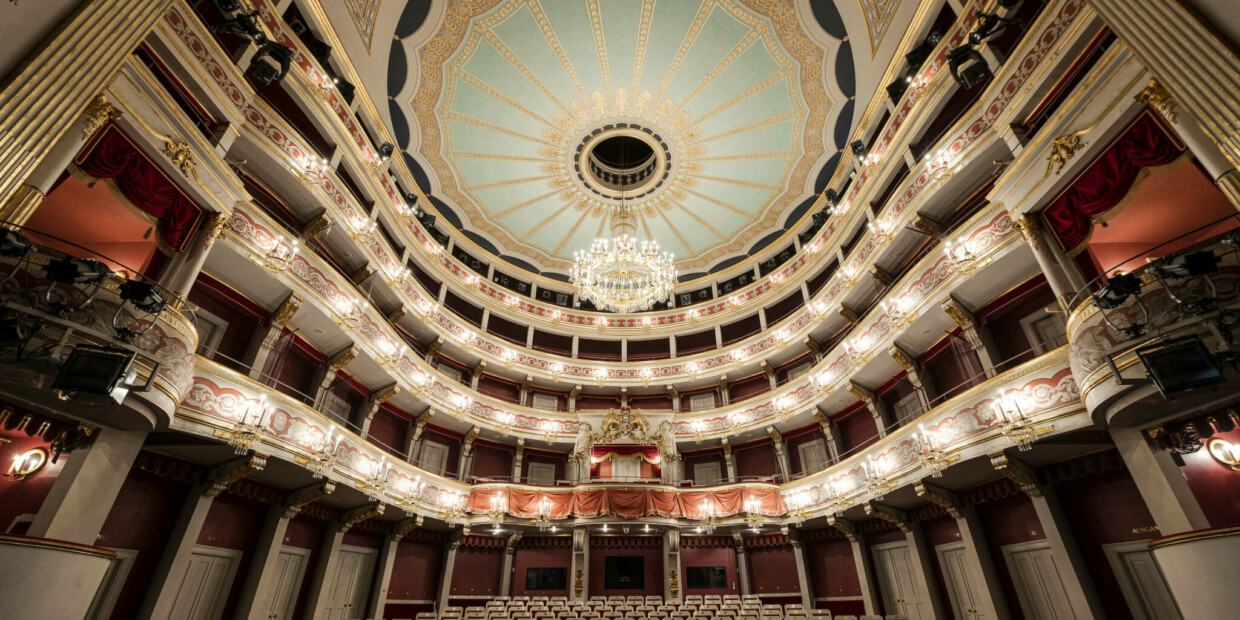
(623, 153)
(622, 163)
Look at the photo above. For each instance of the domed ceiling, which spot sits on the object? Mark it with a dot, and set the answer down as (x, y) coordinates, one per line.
(742, 107)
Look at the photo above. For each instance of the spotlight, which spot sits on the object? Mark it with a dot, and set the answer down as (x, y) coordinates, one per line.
(97, 370)
(411, 198)
(14, 244)
(858, 149)
(143, 295)
(271, 63)
(387, 149)
(71, 270)
(1116, 291)
(896, 89)
(990, 24)
(11, 331)
(1186, 265)
(1180, 365)
(967, 66)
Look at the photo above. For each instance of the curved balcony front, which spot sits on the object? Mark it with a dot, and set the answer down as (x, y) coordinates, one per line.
(1157, 333)
(65, 340)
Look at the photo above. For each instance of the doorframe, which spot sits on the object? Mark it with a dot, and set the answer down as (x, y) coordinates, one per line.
(874, 550)
(234, 556)
(374, 557)
(939, 550)
(305, 556)
(114, 582)
(1033, 545)
(1113, 551)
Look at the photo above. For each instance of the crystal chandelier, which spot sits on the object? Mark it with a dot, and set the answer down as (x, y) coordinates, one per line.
(621, 275)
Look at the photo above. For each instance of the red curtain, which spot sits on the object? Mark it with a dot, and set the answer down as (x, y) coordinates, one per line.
(649, 453)
(1105, 183)
(112, 156)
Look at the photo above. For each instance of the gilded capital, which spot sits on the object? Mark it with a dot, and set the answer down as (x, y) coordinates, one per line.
(99, 112)
(1029, 227)
(1158, 97)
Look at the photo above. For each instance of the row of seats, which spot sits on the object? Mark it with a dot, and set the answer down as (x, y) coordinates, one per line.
(695, 607)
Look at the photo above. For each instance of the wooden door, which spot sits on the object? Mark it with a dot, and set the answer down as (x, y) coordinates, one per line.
(204, 582)
(962, 584)
(1038, 581)
(349, 584)
(289, 570)
(893, 563)
(1142, 581)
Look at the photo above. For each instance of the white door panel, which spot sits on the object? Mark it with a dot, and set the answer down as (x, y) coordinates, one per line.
(1142, 581)
(962, 584)
(289, 570)
(349, 585)
(897, 582)
(204, 582)
(1038, 581)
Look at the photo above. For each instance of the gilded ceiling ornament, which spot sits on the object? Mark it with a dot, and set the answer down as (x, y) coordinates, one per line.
(180, 154)
(902, 358)
(1062, 149)
(1158, 97)
(926, 226)
(344, 358)
(317, 226)
(99, 112)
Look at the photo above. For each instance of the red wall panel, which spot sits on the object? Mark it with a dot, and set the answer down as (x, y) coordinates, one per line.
(234, 522)
(305, 533)
(703, 457)
(833, 575)
(772, 570)
(356, 538)
(941, 530)
(724, 556)
(141, 519)
(560, 463)
(793, 444)
(653, 565)
(1006, 522)
(757, 460)
(388, 429)
(477, 571)
(857, 430)
(416, 575)
(539, 556)
(491, 462)
(1103, 509)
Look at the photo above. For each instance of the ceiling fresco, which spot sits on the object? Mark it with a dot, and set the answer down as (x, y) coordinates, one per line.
(749, 102)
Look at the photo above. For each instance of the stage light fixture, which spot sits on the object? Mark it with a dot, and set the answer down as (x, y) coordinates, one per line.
(858, 149)
(967, 66)
(1116, 291)
(1186, 265)
(144, 296)
(98, 370)
(70, 270)
(386, 150)
(14, 244)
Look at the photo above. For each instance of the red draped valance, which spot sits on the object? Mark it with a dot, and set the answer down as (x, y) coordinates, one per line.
(111, 155)
(625, 503)
(1103, 186)
(598, 454)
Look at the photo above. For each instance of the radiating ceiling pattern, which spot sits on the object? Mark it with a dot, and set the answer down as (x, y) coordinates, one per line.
(732, 88)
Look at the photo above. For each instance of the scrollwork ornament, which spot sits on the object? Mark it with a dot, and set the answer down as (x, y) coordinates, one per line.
(1158, 97)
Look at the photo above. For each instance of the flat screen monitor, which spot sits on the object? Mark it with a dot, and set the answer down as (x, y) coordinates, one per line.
(706, 577)
(624, 573)
(546, 578)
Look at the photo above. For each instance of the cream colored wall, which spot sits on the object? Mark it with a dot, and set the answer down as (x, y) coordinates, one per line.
(24, 25)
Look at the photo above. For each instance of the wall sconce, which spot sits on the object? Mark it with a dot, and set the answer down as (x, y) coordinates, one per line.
(1225, 452)
(27, 464)
(278, 258)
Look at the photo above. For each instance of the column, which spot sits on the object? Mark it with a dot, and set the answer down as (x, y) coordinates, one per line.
(255, 595)
(728, 462)
(742, 562)
(82, 495)
(43, 99)
(517, 458)
(834, 447)
(978, 337)
(1030, 228)
(186, 273)
(923, 568)
(261, 348)
(579, 568)
(781, 455)
(1198, 69)
(465, 460)
(882, 421)
(161, 591)
(671, 566)
(1160, 483)
(798, 552)
(379, 587)
(1077, 582)
(1156, 95)
(981, 569)
(510, 552)
(449, 563)
(329, 552)
(862, 561)
(34, 189)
